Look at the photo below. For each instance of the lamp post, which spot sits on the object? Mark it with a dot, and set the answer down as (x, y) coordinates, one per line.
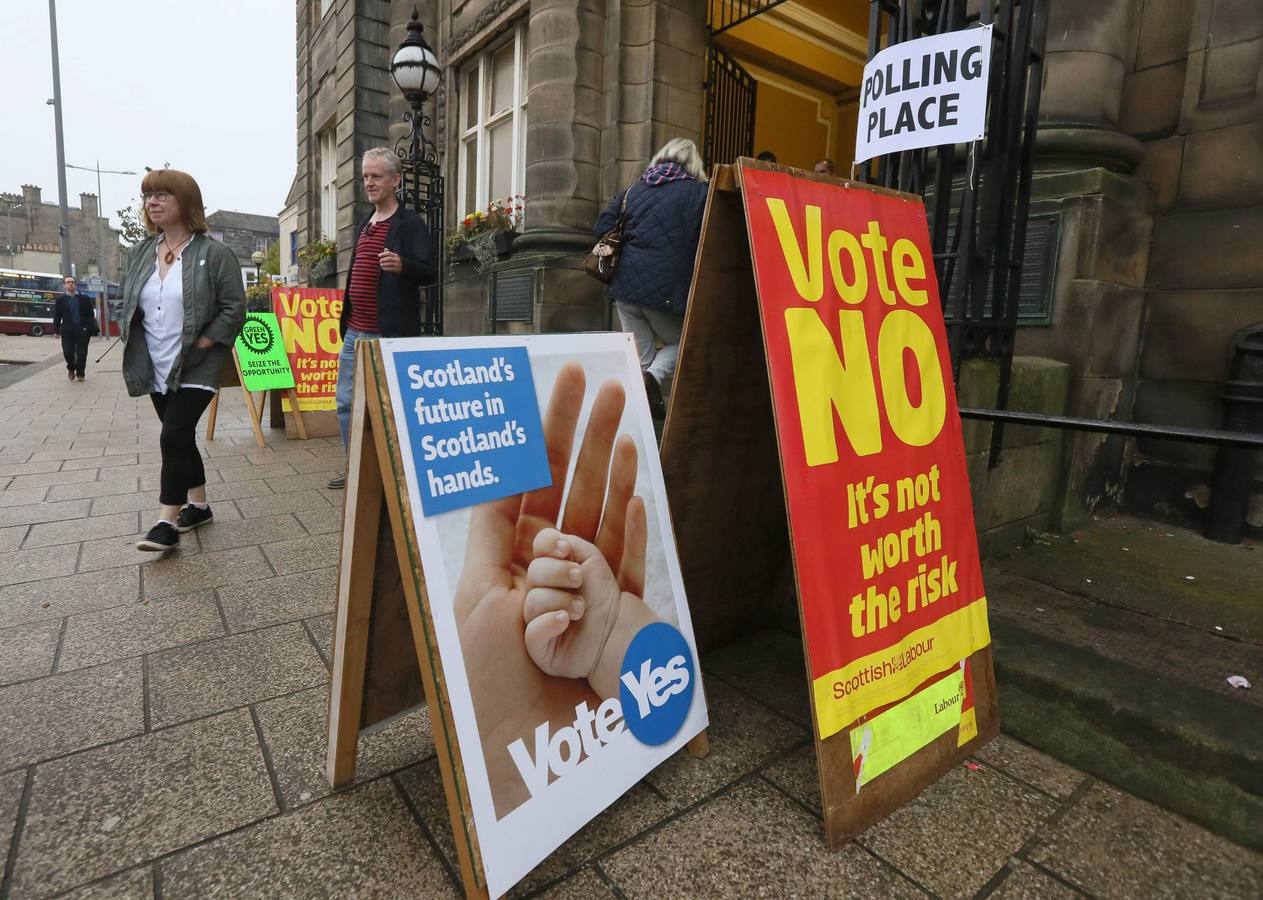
(100, 209)
(416, 72)
(258, 257)
(63, 227)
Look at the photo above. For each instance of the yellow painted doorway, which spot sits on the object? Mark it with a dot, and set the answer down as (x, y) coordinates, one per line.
(807, 57)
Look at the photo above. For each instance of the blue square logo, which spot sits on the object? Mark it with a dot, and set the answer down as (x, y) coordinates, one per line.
(473, 425)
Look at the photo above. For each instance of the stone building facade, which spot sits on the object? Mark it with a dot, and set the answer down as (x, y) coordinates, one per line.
(244, 233)
(30, 237)
(576, 95)
(1148, 162)
(1152, 142)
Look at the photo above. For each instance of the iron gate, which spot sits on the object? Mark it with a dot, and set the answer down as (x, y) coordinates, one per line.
(980, 266)
(730, 98)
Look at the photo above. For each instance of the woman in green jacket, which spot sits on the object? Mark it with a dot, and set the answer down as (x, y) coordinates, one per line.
(183, 306)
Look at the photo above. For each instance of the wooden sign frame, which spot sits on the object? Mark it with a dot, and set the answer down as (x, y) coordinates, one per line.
(375, 665)
(385, 653)
(256, 414)
(720, 432)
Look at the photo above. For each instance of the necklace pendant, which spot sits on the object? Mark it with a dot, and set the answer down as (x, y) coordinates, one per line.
(169, 258)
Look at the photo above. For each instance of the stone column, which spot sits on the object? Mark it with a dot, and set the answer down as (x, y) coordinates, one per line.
(565, 67)
(364, 89)
(565, 102)
(1084, 69)
(1082, 162)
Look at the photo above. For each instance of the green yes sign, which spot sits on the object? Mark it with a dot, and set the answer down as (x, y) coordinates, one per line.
(264, 365)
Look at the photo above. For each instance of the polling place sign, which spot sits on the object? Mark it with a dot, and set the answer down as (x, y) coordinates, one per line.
(924, 93)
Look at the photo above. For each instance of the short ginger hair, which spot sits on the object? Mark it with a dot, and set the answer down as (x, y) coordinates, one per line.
(186, 192)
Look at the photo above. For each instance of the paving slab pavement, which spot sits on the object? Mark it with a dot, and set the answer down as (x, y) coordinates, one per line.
(162, 722)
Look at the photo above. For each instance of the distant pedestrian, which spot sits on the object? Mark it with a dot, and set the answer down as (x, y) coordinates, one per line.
(392, 261)
(74, 318)
(183, 306)
(651, 283)
(823, 166)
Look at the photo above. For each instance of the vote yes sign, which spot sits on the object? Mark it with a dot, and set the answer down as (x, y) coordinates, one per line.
(878, 494)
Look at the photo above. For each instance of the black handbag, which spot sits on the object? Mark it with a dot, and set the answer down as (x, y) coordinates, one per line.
(602, 259)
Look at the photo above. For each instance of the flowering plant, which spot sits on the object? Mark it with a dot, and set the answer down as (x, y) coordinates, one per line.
(479, 228)
(318, 258)
(259, 295)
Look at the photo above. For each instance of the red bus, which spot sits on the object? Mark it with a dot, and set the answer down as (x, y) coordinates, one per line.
(26, 301)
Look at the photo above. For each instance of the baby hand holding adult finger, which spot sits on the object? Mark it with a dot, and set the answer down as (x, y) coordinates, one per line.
(571, 605)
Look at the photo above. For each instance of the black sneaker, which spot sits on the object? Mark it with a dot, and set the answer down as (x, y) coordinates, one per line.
(192, 516)
(337, 483)
(162, 536)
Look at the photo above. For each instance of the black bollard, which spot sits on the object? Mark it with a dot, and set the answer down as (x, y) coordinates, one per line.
(1243, 411)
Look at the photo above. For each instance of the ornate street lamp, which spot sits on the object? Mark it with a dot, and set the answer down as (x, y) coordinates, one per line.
(416, 72)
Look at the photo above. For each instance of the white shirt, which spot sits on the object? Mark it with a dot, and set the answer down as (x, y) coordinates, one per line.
(162, 302)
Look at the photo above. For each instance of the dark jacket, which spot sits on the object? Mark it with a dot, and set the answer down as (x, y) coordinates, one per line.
(398, 294)
(87, 315)
(214, 308)
(659, 243)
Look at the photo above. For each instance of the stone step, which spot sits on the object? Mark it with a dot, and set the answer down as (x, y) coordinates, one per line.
(1193, 750)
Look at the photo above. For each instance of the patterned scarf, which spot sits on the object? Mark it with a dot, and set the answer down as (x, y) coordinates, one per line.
(664, 172)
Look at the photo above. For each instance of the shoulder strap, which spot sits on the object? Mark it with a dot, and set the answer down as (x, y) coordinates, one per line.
(622, 210)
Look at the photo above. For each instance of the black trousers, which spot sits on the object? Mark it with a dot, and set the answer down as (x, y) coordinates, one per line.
(179, 412)
(75, 348)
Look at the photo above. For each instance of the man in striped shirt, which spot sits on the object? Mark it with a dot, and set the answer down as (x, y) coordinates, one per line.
(392, 260)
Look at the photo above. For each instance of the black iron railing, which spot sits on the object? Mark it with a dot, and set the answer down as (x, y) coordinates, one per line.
(422, 191)
(724, 14)
(984, 186)
(730, 99)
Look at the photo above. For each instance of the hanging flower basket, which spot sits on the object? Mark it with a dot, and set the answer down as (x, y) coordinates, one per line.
(501, 240)
(320, 259)
(484, 236)
(321, 269)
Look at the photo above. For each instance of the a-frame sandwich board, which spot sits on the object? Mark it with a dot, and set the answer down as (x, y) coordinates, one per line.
(385, 659)
(723, 467)
(232, 376)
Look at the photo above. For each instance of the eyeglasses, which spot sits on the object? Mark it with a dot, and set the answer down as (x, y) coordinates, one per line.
(160, 196)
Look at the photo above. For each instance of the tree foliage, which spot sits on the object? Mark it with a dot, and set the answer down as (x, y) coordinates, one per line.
(132, 230)
(272, 264)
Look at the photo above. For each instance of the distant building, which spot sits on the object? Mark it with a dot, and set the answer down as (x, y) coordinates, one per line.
(244, 233)
(30, 237)
(289, 236)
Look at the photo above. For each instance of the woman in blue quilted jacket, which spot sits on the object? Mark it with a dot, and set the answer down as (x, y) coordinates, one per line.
(651, 284)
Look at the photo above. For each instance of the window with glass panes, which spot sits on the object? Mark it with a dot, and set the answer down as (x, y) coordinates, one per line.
(328, 184)
(493, 124)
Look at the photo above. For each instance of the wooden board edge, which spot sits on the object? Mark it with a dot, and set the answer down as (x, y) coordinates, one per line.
(297, 413)
(745, 162)
(356, 567)
(255, 415)
(451, 766)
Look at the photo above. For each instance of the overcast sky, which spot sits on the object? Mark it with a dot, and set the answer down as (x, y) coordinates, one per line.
(205, 86)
